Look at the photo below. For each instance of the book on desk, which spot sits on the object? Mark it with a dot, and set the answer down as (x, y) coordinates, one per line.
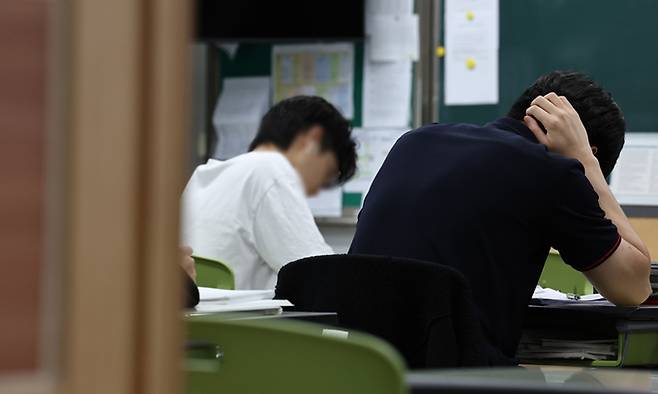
(230, 301)
(592, 333)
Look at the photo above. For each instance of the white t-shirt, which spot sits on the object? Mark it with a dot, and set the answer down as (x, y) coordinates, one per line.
(250, 212)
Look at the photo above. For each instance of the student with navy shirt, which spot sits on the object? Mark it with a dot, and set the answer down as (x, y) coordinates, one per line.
(492, 200)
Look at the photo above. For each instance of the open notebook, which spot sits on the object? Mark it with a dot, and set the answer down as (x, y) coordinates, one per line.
(542, 293)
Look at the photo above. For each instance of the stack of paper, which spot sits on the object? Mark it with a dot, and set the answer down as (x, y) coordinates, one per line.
(264, 306)
(220, 300)
(534, 347)
(228, 296)
(550, 294)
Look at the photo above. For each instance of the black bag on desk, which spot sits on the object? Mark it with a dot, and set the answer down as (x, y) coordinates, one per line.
(423, 309)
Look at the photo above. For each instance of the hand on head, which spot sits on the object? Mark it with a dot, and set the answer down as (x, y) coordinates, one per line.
(565, 133)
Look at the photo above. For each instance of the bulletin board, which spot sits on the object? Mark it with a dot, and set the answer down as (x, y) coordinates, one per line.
(255, 59)
(613, 41)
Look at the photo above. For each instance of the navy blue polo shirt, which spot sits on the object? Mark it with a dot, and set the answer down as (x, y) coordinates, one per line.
(490, 202)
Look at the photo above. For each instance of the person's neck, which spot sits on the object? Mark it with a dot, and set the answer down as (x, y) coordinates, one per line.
(515, 126)
(288, 154)
(274, 148)
(268, 148)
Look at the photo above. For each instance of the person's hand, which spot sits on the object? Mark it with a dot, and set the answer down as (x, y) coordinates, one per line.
(187, 262)
(565, 133)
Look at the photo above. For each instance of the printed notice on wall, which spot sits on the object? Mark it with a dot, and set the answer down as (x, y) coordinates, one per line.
(241, 105)
(634, 181)
(327, 204)
(387, 94)
(316, 70)
(471, 52)
(373, 147)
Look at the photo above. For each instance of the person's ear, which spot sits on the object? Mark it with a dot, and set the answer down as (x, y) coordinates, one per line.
(315, 133)
(594, 150)
(313, 139)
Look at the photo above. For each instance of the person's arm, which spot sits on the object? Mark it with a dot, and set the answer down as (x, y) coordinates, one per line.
(189, 277)
(610, 205)
(623, 278)
(187, 262)
(284, 228)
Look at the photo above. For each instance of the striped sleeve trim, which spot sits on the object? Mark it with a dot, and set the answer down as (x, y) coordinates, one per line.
(605, 256)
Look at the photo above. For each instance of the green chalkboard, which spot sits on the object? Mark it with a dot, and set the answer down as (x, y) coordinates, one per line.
(615, 41)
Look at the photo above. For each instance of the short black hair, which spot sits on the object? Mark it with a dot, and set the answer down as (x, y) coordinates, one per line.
(601, 116)
(295, 115)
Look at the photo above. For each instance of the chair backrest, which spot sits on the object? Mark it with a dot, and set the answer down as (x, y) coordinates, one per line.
(423, 309)
(285, 356)
(213, 273)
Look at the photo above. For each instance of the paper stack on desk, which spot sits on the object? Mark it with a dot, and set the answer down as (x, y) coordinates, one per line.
(220, 300)
(534, 347)
(227, 296)
(542, 293)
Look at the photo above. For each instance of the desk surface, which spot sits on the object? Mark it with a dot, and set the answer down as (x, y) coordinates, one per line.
(535, 379)
(601, 308)
(330, 318)
(326, 318)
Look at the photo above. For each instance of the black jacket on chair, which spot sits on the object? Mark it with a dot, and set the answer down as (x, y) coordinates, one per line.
(423, 309)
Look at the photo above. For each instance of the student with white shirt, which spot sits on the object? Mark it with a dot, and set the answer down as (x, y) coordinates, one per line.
(251, 211)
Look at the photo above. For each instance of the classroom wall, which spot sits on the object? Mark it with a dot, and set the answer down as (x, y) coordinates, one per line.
(647, 228)
(338, 236)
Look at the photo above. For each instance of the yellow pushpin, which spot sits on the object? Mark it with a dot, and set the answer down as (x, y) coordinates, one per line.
(470, 15)
(470, 63)
(440, 52)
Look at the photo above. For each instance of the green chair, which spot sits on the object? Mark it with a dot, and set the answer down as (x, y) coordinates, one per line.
(283, 356)
(213, 273)
(560, 276)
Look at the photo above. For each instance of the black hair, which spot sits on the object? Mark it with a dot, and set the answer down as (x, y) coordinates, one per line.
(599, 113)
(293, 116)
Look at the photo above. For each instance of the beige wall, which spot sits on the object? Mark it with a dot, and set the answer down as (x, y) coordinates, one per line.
(648, 230)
